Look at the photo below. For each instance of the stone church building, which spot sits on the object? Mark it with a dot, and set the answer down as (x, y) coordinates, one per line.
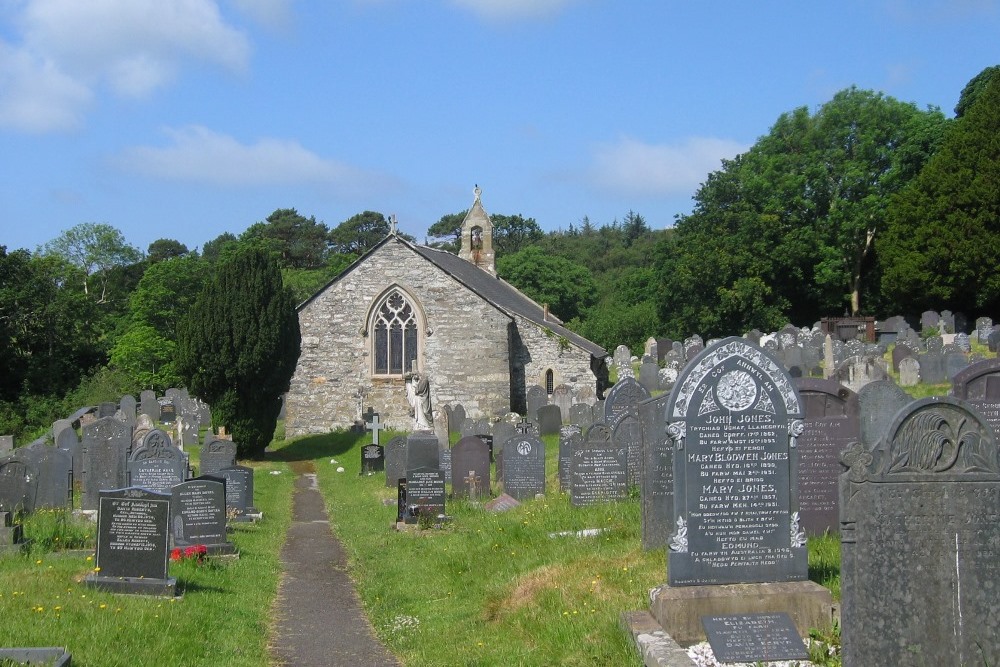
(403, 306)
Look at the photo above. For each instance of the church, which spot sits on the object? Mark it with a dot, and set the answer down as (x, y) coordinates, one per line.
(473, 338)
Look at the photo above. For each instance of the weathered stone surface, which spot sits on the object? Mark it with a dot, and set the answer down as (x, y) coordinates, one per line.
(919, 535)
(979, 385)
(103, 459)
(909, 372)
(598, 473)
(570, 438)
(735, 414)
(879, 403)
(524, 467)
(470, 468)
(217, 454)
(422, 451)
(657, 489)
(549, 419)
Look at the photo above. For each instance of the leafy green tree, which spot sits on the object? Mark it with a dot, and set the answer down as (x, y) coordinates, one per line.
(512, 233)
(95, 248)
(974, 88)
(566, 287)
(446, 233)
(217, 248)
(611, 326)
(359, 233)
(162, 249)
(942, 245)
(238, 346)
(300, 242)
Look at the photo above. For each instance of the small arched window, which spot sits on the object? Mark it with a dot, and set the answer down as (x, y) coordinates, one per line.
(549, 382)
(395, 340)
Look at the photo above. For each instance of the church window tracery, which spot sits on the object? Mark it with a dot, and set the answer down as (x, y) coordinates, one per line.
(395, 339)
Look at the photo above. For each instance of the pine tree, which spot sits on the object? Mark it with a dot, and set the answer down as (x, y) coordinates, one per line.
(238, 346)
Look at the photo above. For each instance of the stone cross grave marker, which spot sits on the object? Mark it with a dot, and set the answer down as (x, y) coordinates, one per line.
(373, 424)
(734, 417)
(919, 536)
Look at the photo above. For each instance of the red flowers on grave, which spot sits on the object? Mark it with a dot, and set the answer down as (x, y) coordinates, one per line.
(197, 553)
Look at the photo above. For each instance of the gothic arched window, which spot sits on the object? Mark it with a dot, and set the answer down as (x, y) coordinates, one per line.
(395, 340)
(549, 382)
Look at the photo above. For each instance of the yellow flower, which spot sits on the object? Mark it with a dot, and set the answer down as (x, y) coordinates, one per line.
(90, 558)
(97, 569)
(103, 606)
(38, 562)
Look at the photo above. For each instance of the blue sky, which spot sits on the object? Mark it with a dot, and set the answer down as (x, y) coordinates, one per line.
(189, 118)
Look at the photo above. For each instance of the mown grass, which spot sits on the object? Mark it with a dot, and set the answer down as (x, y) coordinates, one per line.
(223, 617)
(494, 589)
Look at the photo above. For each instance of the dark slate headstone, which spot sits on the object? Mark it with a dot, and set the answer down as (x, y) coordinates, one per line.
(955, 363)
(624, 398)
(54, 484)
(372, 459)
(993, 340)
(470, 468)
(422, 451)
(919, 536)
(148, 404)
(831, 423)
(570, 438)
(535, 398)
(879, 403)
(599, 432)
(900, 352)
(106, 410)
(625, 433)
(754, 638)
(168, 413)
(929, 320)
(657, 489)
(524, 467)
(549, 419)
(133, 543)
(425, 490)
(598, 473)
(217, 454)
(402, 511)
(395, 460)
(456, 416)
(581, 414)
(198, 514)
(444, 460)
(103, 459)
(128, 406)
(239, 491)
(475, 427)
(735, 415)
(649, 375)
(156, 464)
(979, 385)
(17, 485)
(67, 440)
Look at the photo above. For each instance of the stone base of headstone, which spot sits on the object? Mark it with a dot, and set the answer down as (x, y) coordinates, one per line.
(57, 657)
(655, 646)
(133, 585)
(678, 609)
(11, 535)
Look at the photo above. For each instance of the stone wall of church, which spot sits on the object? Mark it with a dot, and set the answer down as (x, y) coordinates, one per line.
(464, 347)
(540, 350)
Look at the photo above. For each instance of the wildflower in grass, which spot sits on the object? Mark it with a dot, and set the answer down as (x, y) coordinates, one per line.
(103, 606)
(90, 558)
(38, 562)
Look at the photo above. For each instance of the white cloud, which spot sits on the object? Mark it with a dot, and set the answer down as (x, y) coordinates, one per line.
(637, 168)
(197, 154)
(513, 9)
(270, 13)
(35, 96)
(66, 49)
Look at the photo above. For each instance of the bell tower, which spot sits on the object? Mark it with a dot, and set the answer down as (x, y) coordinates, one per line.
(477, 236)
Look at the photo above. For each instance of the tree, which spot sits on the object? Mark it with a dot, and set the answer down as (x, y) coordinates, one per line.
(300, 242)
(238, 346)
(974, 88)
(447, 232)
(942, 245)
(95, 248)
(512, 233)
(217, 248)
(566, 287)
(162, 249)
(359, 233)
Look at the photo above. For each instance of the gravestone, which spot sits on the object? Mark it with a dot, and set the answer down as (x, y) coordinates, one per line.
(649, 376)
(549, 419)
(955, 363)
(919, 536)
(751, 638)
(562, 397)
(909, 372)
(67, 440)
(198, 515)
(735, 415)
(456, 416)
(570, 438)
(239, 493)
(625, 433)
(598, 473)
(900, 352)
(444, 460)
(502, 432)
(623, 356)
(858, 370)
(470, 465)
(657, 490)
(598, 432)
(422, 451)
(581, 414)
(535, 397)
(402, 508)
(879, 402)
(979, 385)
(524, 467)
(932, 368)
(216, 454)
(373, 424)
(168, 413)
(156, 464)
(963, 342)
(622, 398)
(929, 320)
(106, 409)
(128, 406)
(133, 543)
(54, 475)
(425, 491)
(831, 422)
(18, 485)
(103, 459)
(395, 461)
(372, 459)
(984, 325)
(475, 427)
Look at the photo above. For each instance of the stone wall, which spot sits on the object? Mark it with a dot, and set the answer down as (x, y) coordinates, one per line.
(535, 351)
(464, 344)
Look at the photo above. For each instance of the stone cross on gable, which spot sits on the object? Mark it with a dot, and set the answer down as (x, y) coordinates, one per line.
(392, 224)
(372, 424)
(523, 426)
(472, 481)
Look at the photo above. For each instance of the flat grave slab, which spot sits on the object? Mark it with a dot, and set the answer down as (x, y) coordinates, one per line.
(754, 637)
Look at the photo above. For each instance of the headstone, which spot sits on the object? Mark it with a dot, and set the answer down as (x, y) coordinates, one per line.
(909, 372)
(929, 320)
(422, 451)
(535, 398)
(470, 466)
(879, 402)
(18, 485)
(128, 406)
(649, 376)
(67, 440)
(625, 433)
(979, 385)
(562, 397)
(395, 461)
(623, 356)
(156, 464)
(133, 543)
(217, 454)
(524, 467)
(831, 422)
(373, 424)
(623, 397)
(900, 352)
(168, 413)
(963, 342)
(983, 327)
(955, 363)
(918, 541)
(598, 473)
(599, 432)
(657, 490)
(372, 459)
(735, 416)
(570, 439)
(198, 514)
(993, 340)
(934, 344)
(106, 410)
(581, 414)
(456, 415)
(752, 638)
(932, 368)
(859, 370)
(54, 470)
(402, 507)
(103, 459)
(239, 493)
(549, 419)
(444, 460)
(425, 491)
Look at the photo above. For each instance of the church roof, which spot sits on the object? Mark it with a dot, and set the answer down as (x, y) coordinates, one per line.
(502, 295)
